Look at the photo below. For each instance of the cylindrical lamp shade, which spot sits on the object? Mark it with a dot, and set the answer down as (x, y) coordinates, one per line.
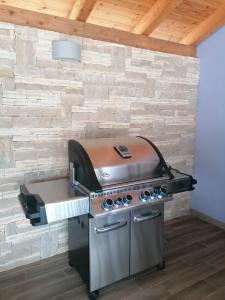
(66, 50)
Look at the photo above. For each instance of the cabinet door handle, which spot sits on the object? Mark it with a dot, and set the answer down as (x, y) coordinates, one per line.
(113, 226)
(152, 215)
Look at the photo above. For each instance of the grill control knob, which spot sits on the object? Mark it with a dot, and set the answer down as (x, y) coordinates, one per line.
(145, 196)
(153, 194)
(162, 193)
(127, 200)
(107, 204)
(118, 202)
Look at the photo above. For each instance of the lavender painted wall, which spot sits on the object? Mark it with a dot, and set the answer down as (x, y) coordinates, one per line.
(209, 167)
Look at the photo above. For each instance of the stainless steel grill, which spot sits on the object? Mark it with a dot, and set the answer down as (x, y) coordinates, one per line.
(128, 182)
(118, 187)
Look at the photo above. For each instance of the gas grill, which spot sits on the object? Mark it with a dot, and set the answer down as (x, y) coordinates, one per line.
(128, 182)
(118, 187)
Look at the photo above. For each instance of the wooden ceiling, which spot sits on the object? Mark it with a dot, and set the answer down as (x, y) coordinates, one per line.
(178, 22)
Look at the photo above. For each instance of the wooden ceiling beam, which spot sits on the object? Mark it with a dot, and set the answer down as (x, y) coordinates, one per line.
(72, 27)
(156, 14)
(205, 28)
(82, 9)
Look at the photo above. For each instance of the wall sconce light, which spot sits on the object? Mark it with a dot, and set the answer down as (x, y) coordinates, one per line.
(66, 50)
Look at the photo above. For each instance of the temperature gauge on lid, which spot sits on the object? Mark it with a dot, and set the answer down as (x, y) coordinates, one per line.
(123, 151)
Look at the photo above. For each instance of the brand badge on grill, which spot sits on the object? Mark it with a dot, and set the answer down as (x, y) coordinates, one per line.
(105, 174)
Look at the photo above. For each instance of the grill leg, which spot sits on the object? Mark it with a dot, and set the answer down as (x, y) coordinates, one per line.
(162, 265)
(93, 295)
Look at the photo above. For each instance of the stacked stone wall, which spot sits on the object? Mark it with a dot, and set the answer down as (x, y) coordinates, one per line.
(115, 91)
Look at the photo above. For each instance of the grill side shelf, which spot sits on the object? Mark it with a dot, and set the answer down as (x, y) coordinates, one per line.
(182, 184)
(33, 207)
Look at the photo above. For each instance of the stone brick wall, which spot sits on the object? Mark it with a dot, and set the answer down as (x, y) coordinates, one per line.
(114, 91)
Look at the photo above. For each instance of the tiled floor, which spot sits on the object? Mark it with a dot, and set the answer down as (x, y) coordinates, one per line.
(195, 255)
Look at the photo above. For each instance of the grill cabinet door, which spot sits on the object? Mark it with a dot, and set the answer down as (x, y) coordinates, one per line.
(146, 237)
(109, 249)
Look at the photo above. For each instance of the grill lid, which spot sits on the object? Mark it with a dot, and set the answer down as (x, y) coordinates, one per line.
(101, 162)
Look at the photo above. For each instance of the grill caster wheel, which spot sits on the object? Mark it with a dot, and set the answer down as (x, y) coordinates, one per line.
(71, 264)
(162, 265)
(93, 295)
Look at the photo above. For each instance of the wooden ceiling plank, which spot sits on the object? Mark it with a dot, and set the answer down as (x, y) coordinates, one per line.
(82, 9)
(51, 7)
(156, 14)
(73, 27)
(108, 23)
(205, 28)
